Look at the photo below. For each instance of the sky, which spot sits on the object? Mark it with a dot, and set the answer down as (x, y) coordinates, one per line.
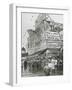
(28, 22)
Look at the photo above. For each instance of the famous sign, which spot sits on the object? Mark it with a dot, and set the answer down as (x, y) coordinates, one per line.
(51, 36)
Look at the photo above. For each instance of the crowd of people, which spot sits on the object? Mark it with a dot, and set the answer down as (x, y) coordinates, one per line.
(51, 66)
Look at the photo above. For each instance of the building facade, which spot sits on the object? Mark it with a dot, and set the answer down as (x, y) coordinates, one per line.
(47, 34)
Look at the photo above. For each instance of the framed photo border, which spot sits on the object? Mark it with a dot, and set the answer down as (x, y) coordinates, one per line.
(14, 80)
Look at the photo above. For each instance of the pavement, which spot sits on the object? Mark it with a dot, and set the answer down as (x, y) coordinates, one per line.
(29, 74)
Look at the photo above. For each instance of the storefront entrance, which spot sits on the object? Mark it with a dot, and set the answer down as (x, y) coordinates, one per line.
(25, 65)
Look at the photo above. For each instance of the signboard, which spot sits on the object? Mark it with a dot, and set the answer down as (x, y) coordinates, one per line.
(51, 36)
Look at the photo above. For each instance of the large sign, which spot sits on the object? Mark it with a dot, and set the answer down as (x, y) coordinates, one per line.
(51, 36)
(54, 45)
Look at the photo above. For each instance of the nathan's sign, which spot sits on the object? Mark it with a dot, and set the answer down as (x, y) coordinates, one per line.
(51, 36)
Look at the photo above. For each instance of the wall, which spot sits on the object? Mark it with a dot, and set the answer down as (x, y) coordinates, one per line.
(4, 42)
